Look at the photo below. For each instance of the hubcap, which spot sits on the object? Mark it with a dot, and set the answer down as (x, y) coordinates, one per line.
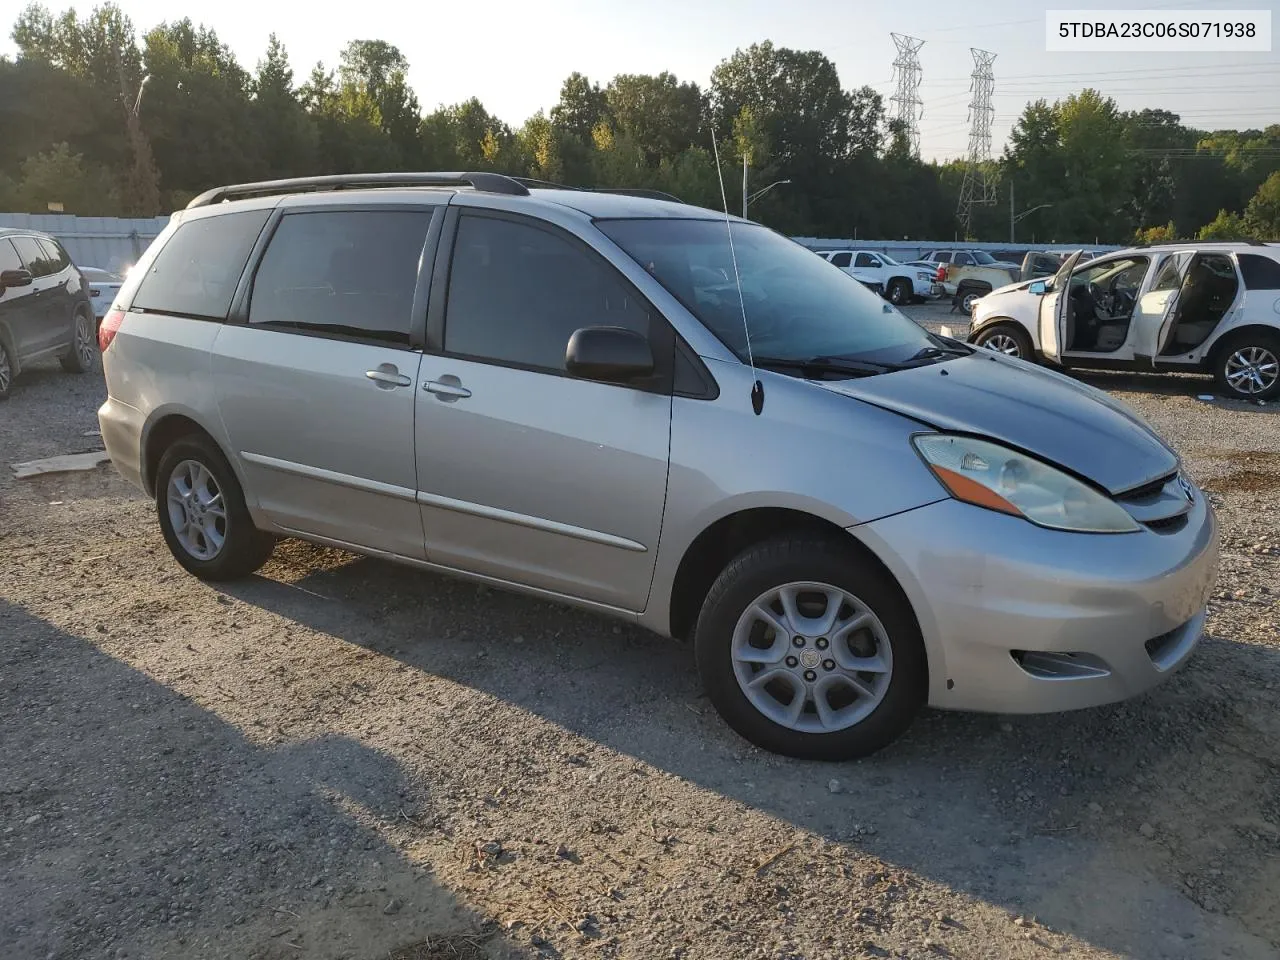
(811, 657)
(84, 340)
(197, 510)
(5, 371)
(967, 303)
(1002, 343)
(897, 294)
(1252, 370)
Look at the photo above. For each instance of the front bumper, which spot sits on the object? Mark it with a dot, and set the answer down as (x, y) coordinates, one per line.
(1020, 619)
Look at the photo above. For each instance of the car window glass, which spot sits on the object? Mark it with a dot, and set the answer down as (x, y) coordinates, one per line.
(1259, 272)
(9, 259)
(517, 292)
(196, 271)
(942, 257)
(1169, 277)
(842, 259)
(349, 273)
(1123, 274)
(866, 260)
(33, 256)
(964, 259)
(55, 255)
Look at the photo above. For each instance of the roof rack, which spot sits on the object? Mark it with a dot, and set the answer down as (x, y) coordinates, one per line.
(625, 191)
(1197, 243)
(486, 182)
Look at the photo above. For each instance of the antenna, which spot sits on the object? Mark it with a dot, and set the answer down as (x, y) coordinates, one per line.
(976, 188)
(757, 388)
(906, 68)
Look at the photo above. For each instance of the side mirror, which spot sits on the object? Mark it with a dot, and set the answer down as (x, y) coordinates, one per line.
(608, 354)
(1039, 288)
(14, 278)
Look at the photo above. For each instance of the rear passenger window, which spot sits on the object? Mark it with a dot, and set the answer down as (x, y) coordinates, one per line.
(518, 292)
(196, 272)
(55, 255)
(342, 273)
(964, 260)
(1260, 273)
(841, 259)
(33, 256)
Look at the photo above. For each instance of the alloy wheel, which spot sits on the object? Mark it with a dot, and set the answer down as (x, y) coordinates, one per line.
(85, 346)
(6, 371)
(197, 510)
(1003, 343)
(1252, 370)
(811, 657)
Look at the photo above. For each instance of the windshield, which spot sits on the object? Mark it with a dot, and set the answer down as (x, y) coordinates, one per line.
(798, 306)
(981, 256)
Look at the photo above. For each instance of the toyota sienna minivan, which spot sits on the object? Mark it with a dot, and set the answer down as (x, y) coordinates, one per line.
(662, 414)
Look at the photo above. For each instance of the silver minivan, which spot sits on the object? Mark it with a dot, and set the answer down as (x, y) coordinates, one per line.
(662, 414)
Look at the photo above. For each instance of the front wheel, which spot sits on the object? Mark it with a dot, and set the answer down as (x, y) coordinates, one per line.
(899, 292)
(202, 513)
(1248, 366)
(809, 650)
(1007, 339)
(6, 370)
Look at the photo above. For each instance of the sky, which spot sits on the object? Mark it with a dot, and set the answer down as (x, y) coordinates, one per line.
(515, 60)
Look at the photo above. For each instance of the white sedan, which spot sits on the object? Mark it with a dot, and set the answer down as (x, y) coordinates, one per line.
(103, 286)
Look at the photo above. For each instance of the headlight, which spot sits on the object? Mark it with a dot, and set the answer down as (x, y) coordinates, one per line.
(926, 277)
(989, 475)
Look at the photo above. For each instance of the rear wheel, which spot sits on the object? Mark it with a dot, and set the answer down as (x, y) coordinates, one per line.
(202, 513)
(80, 356)
(899, 291)
(809, 650)
(968, 293)
(1247, 367)
(1006, 338)
(6, 370)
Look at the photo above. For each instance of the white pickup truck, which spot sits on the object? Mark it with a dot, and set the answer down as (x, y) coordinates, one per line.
(898, 283)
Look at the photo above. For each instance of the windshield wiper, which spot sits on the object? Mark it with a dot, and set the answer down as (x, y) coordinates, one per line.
(838, 365)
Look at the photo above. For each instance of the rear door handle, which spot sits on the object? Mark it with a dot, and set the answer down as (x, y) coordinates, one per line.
(388, 376)
(447, 388)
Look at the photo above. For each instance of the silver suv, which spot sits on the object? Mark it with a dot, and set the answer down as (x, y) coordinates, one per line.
(569, 393)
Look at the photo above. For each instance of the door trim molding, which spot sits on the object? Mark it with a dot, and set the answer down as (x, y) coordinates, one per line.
(330, 476)
(534, 523)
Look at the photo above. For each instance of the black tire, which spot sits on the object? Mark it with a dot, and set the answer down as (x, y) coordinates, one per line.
(771, 564)
(1247, 341)
(967, 292)
(244, 548)
(1007, 332)
(80, 356)
(8, 370)
(900, 292)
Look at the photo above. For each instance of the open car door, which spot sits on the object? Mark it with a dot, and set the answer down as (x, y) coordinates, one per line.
(1053, 310)
(1157, 309)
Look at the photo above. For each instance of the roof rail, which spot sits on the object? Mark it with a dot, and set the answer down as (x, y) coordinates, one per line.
(486, 182)
(1196, 243)
(626, 191)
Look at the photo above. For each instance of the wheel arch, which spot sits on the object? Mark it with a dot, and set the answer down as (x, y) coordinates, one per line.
(712, 549)
(162, 430)
(1233, 335)
(15, 361)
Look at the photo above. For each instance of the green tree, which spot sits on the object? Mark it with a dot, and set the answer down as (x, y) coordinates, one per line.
(1163, 234)
(377, 71)
(287, 134)
(582, 105)
(1225, 226)
(64, 177)
(1263, 212)
(658, 113)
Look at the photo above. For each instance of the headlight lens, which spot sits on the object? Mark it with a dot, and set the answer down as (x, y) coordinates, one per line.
(989, 475)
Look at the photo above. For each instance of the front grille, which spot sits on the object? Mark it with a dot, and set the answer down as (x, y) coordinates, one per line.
(1148, 489)
(1161, 505)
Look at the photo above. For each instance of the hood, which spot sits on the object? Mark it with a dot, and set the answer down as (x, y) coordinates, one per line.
(1011, 287)
(1057, 419)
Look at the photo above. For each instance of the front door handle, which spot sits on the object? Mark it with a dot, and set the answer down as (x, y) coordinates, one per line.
(447, 388)
(388, 375)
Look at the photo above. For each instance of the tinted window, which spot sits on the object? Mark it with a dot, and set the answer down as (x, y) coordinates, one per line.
(517, 292)
(9, 259)
(842, 259)
(942, 257)
(1260, 273)
(33, 256)
(866, 260)
(196, 272)
(1169, 277)
(796, 309)
(346, 273)
(54, 253)
(963, 259)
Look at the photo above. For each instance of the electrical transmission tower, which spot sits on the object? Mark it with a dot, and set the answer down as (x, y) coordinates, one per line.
(976, 187)
(906, 70)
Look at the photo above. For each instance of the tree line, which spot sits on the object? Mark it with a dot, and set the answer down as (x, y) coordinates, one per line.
(83, 130)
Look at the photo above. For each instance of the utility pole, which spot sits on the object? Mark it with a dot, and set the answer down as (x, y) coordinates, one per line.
(976, 188)
(745, 161)
(143, 179)
(1011, 220)
(906, 99)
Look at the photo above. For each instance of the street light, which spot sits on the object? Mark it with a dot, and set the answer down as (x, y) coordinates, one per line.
(137, 103)
(760, 193)
(1023, 214)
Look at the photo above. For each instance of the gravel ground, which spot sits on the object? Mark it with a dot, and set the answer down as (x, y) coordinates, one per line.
(343, 758)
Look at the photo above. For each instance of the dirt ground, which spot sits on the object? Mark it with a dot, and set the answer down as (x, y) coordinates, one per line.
(343, 758)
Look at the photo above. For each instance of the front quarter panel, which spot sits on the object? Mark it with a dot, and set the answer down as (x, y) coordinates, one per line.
(810, 450)
(1017, 305)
